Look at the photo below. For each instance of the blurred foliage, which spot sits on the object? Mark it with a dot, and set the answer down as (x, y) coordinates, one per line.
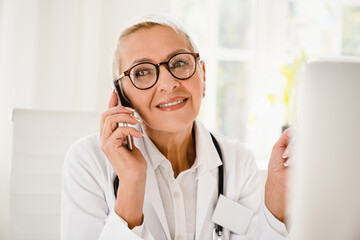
(290, 73)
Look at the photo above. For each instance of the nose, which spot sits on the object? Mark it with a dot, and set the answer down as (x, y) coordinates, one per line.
(166, 81)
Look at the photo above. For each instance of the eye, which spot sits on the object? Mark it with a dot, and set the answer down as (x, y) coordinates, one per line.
(178, 64)
(142, 72)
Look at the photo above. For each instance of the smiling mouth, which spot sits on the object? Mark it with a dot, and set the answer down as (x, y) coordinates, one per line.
(172, 103)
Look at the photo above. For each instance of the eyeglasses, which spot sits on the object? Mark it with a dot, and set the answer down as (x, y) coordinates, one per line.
(145, 75)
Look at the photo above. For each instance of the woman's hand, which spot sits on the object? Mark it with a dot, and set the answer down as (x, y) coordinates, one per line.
(129, 166)
(277, 181)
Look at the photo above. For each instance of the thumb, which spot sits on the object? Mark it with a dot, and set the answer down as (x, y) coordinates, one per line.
(113, 100)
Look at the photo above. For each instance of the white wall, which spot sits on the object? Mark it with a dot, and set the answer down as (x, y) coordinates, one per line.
(57, 55)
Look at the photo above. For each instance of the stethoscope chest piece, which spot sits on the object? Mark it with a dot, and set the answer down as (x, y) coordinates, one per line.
(217, 235)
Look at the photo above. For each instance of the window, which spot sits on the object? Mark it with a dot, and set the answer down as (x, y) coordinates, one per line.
(224, 31)
(251, 47)
(351, 26)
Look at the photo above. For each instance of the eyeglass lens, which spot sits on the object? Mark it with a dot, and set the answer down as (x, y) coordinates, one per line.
(145, 75)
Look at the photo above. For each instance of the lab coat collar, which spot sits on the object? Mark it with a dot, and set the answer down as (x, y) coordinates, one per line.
(155, 156)
(152, 192)
(205, 149)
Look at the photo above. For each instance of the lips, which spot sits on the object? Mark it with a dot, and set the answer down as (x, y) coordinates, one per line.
(172, 104)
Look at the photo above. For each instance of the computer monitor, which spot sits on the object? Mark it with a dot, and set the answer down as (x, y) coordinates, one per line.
(325, 176)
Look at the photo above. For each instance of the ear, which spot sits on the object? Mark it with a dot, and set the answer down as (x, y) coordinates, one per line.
(203, 71)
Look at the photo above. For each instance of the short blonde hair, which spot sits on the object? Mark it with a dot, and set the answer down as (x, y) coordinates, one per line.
(147, 22)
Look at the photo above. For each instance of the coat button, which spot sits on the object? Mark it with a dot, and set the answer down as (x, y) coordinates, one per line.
(176, 194)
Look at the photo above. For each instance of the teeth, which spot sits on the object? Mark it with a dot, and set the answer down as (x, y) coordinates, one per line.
(171, 104)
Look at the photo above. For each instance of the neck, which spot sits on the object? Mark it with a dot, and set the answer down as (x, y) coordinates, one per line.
(177, 147)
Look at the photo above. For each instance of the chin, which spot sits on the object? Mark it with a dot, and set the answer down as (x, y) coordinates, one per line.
(171, 125)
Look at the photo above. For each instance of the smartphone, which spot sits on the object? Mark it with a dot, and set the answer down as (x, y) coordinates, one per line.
(116, 86)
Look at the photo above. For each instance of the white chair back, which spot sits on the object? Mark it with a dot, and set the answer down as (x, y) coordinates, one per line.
(40, 141)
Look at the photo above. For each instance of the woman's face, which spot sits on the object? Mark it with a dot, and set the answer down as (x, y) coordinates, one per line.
(156, 45)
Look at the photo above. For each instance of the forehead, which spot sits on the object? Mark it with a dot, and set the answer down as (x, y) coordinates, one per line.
(155, 44)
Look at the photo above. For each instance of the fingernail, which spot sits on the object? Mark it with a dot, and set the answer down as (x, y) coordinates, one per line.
(288, 162)
(130, 109)
(291, 142)
(137, 119)
(285, 154)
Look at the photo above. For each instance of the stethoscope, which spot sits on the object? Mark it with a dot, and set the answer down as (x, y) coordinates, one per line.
(217, 232)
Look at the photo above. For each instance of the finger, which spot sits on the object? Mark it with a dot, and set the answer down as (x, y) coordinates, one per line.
(119, 135)
(113, 111)
(112, 122)
(118, 146)
(113, 102)
(277, 161)
(288, 162)
(284, 139)
(289, 151)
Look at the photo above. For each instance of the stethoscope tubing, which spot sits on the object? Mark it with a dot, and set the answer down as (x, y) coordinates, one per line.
(218, 228)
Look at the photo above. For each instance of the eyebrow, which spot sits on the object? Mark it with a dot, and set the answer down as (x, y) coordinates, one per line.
(140, 60)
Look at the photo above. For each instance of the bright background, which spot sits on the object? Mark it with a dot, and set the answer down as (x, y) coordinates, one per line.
(56, 55)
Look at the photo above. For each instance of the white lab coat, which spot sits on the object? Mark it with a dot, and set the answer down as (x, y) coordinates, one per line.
(88, 196)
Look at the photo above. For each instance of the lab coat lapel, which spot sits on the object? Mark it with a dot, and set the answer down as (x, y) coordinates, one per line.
(207, 192)
(206, 200)
(152, 192)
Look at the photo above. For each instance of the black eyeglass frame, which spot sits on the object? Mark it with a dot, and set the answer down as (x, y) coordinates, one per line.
(157, 66)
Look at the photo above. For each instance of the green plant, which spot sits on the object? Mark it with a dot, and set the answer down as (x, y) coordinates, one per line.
(291, 75)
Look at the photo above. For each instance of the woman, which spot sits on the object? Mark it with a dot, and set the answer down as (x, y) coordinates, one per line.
(168, 184)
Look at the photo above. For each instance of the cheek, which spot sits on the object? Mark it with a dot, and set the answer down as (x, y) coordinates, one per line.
(196, 91)
(198, 99)
(140, 99)
(142, 109)
(141, 103)
(132, 94)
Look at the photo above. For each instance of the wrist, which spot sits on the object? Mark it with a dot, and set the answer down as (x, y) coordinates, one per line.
(273, 201)
(133, 177)
(133, 221)
(130, 201)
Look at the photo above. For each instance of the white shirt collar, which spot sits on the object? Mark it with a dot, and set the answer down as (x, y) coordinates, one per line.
(155, 156)
(205, 149)
(207, 156)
